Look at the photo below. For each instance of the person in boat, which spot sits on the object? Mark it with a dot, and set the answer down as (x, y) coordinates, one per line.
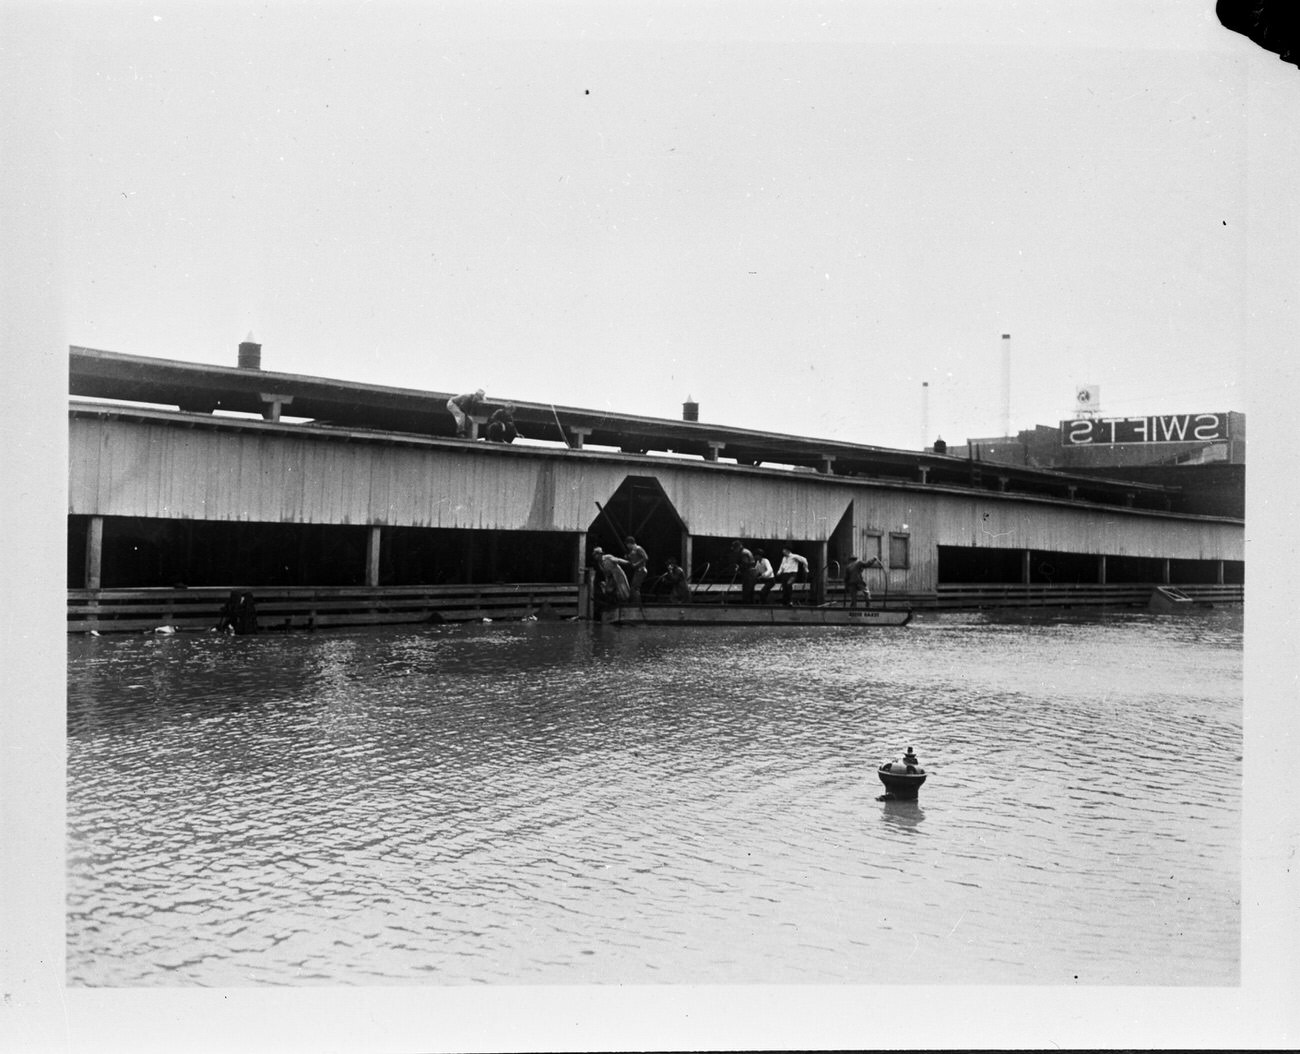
(501, 425)
(679, 586)
(462, 406)
(746, 568)
(614, 579)
(639, 562)
(789, 569)
(855, 580)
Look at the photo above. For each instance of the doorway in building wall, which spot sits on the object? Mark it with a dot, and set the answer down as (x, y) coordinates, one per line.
(642, 509)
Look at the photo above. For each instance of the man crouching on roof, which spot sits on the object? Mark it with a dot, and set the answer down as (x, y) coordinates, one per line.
(462, 406)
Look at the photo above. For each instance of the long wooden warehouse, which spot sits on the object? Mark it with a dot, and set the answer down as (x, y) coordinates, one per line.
(365, 507)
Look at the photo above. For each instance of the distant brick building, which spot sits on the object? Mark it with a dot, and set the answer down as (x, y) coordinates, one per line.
(1211, 473)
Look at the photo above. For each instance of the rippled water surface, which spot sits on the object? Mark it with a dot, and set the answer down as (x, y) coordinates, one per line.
(562, 803)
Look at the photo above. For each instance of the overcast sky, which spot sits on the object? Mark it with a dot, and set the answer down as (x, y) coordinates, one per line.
(794, 213)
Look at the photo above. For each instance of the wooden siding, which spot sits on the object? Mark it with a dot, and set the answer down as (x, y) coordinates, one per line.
(753, 505)
(188, 469)
(1012, 524)
(1005, 522)
(125, 468)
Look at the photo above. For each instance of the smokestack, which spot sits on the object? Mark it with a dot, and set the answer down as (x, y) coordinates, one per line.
(1006, 384)
(690, 410)
(925, 414)
(250, 354)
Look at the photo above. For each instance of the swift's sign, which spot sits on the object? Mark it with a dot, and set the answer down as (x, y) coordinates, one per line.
(1169, 428)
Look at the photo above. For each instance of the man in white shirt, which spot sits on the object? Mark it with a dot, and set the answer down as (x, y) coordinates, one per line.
(787, 572)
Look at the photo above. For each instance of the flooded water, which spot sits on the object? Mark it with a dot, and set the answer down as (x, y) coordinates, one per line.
(566, 804)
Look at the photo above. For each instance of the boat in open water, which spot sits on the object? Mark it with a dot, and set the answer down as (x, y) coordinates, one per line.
(753, 615)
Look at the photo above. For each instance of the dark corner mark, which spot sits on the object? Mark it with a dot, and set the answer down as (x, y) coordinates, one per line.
(1272, 24)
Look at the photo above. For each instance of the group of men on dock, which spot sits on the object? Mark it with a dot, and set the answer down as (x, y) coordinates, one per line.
(753, 567)
(617, 587)
(620, 578)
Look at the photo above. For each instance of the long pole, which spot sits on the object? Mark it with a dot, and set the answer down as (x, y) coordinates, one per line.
(1006, 384)
(619, 535)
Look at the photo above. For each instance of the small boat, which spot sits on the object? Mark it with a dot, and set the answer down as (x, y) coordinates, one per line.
(753, 615)
(1165, 599)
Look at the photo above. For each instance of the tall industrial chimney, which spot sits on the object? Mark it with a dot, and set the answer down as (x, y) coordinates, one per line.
(1006, 384)
(925, 414)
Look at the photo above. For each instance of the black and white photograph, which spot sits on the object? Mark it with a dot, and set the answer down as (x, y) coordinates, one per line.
(649, 525)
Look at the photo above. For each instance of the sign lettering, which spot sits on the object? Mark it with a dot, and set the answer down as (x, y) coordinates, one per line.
(1164, 428)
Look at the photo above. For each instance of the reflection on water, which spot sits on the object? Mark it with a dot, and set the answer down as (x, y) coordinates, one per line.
(906, 815)
(562, 803)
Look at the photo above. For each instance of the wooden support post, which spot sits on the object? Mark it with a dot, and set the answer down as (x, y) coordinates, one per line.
(819, 579)
(686, 553)
(1219, 574)
(827, 466)
(1164, 571)
(579, 556)
(584, 593)
(579, 434)
(372, 557)
(1026, 560)
(271, 411)
(582, 575)
(1101, 569)
(925, 472)
(95, 554)
(1072, 491)
(1003, 481)
(714, 448)
(187, 564)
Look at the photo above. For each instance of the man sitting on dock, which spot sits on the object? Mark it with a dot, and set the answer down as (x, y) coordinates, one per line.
(763, 574)
(787, 571)
(746, 569)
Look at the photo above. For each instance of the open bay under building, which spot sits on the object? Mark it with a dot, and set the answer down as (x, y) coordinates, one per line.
(340, 503)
